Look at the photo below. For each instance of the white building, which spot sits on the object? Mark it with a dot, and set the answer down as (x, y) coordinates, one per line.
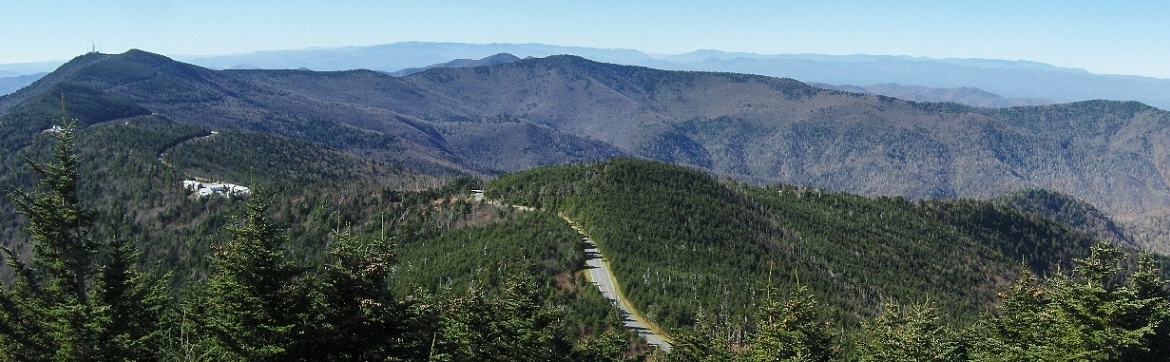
(223, 189)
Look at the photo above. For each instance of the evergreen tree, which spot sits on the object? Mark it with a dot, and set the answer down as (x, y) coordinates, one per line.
(258, 308)
(30, 329)
(792, 331)
(58, 223)
(910, 334)
(361, 320)
(132, 308)
(609, 345)
(1107, 320)
(1026, 329)
(53, 311)
(1095, 315)
(1151, 291)
(709, 342)
(47, 313)
(515, 326)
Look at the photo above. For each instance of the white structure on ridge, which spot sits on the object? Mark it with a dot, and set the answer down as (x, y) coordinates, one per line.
(202, 189)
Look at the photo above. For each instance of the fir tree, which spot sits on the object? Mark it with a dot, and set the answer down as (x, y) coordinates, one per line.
(47, 315)
(1105, 315)
(792, 331)
(609, 345)
(516, 326)
(53, 311)
(361, 320)
(910, 334)
(708, 342)
(131, 307)
(257, 307)
(1151, 291)
(1025, 328)
(1094, 315)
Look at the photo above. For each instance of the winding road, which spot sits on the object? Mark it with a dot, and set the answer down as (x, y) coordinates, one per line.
(601, 277)
(163, 152)
(605, 282)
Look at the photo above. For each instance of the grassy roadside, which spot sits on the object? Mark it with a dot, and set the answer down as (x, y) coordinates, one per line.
(618, 287)
(634, 311)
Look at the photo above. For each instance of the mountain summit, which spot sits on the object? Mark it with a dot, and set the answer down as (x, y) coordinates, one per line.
(500, 58)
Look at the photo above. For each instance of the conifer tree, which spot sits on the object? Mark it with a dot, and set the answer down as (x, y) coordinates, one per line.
(257, 307)
(1104, 314)
(47, 314)
(709, 342)
(516, 326)
(361, 320)
(609, 345)
(1025, 328)
(1094, 315)
(53, 310)
(910, 334)
(1151, 291)
(131, 307)
(792, 331)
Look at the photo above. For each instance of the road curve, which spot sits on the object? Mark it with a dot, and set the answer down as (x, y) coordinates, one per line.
(162, 153)
(600, 275)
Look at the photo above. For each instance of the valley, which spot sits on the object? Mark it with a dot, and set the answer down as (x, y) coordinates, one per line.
(722, 202)
(563, 109)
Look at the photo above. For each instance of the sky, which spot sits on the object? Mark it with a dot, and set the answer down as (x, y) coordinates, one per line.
(1107, 37)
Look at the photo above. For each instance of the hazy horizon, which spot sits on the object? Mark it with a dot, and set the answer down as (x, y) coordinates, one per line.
(1103, 38)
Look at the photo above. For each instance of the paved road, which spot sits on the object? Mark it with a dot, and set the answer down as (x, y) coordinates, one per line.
(601, 277)
(599, 273)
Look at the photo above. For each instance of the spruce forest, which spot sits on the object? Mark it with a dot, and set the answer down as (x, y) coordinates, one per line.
(733, 272)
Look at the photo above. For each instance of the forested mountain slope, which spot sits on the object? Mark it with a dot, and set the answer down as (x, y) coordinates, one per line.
(133, 164)
(1067, 210)
(562, 109)
(689, 247)
(303, 269)
(964, 95)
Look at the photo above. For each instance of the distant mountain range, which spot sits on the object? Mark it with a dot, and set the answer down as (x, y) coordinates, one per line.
(966, 95)
(18, 69)
(14, 83)
(1009, 79)
(560, 109)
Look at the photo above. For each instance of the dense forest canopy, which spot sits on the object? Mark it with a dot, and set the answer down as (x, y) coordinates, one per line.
(452, 278)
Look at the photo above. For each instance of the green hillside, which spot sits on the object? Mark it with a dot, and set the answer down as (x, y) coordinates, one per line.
(360, 259)
(132, 169)
(1067, 210)
(688, 246)
(381, 264)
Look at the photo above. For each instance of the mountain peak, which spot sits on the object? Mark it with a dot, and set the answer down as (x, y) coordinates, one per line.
(142, 55)
(98, 72)
(496, 59)
(499, 59)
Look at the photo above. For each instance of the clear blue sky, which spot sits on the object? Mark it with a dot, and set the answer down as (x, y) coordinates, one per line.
(1113, 37)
